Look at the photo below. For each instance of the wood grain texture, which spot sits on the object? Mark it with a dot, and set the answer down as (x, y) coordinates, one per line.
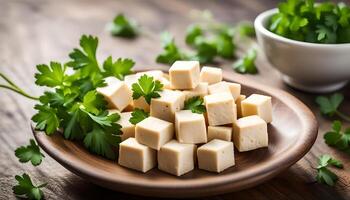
(38, 31)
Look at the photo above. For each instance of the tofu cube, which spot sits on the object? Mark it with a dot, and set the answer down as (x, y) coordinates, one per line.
(184, 75)
(190, 127)
(176, 158)
(201, 90)
(216, 156)
(154, 132)
(221, 109)
(219, 132)
(117, 93)
(239, 106)
(166, 83)
(250, 133)
(128, 128)
(223, 86)
(136, 156)
(210, 75)
(257, 104)
(167, 104)
(141, 103)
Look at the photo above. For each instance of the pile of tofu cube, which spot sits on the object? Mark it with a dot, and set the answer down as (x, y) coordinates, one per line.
(177, 140)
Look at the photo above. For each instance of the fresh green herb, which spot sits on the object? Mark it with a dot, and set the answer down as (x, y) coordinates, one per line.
(123, 27)
(138, 115)
(324, 175)
(171, 51)
(119, 68)
(13, 87)
(247, 63)
(193, 31)
(225, 46)
(329, 105)
(205, 50)
(146, 87)
(304, 20)
(337, 138)
(30, 153)
(195, 104)
(246, 29)
(25, 188)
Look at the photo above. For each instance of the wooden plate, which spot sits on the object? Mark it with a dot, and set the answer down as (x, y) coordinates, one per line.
(291, 135)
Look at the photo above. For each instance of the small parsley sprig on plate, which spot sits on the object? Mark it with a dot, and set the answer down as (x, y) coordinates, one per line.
(30, 153)
(195, 104)
(171, 52)
(329, 106)
(304, 20)
(324, 175)
(123, 27)
(247, 63)
(338, 138)
(138, 115)
(146, 87)
(26, 188)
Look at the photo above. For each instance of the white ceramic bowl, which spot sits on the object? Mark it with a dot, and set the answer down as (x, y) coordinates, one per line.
(307, 66)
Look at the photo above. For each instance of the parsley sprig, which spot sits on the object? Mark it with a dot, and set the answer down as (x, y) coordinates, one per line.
(195, 104)
(324, 175)
(26, 188)
(138, 115)
(146, 87)
(338, 138)
(30, 153)
(329, 105)
(13, 87)
(303, 20)
(123, 27)
(247, 63)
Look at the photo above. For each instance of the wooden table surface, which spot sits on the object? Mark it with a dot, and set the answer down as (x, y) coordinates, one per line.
(38, 31)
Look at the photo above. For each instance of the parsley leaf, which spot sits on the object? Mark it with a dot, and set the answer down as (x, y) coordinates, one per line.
(146, 87)
(123, 27)
(329, 105)
(94, 102)
(324, 175)
(225, 46)
(119, 68)
(46, 119)
(195, 104)
(246, 29)
(247, 63)
(192, 33)
(50, 76)
(171, 51)
(29, 153)
(337, 138)
(26, 188)
(205, 50)
(138, 115)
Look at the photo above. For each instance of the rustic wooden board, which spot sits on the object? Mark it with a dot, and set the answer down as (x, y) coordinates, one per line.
(38, 31)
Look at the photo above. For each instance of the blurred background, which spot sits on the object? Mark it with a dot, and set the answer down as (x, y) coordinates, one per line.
(38, 31)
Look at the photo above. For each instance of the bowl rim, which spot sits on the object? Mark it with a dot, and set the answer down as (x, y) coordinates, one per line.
(260, 27)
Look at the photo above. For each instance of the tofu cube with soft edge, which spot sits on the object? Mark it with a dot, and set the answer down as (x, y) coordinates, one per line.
(136, 156)
(128, 128)
(177, 158)
(216, 156)
(223, 86)
(250, 133)
(219, 132)
(167, 104)
(210, 75)
(201, 90)
(221, 109)
(190, 127)
(184, 75)
(154, 132)
(239, 106)
(257, 104)
(117, 93)
(141, 103)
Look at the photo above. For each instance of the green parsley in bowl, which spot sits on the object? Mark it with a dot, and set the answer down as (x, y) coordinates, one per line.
(308, 43)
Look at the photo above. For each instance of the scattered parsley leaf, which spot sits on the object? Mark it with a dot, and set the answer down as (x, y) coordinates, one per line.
(171, 51)
(138, 115)
(29, 153)
(192, 33)
(46, 119)
(123, 27)
(329, 105)
(205, 50)
(247, 63)
(195, 104)
(246, 29)
(146, 87)
(26, 188)
(119, 68)
(50, 76)
(337, 138)
(324, 175)
(225, 46)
